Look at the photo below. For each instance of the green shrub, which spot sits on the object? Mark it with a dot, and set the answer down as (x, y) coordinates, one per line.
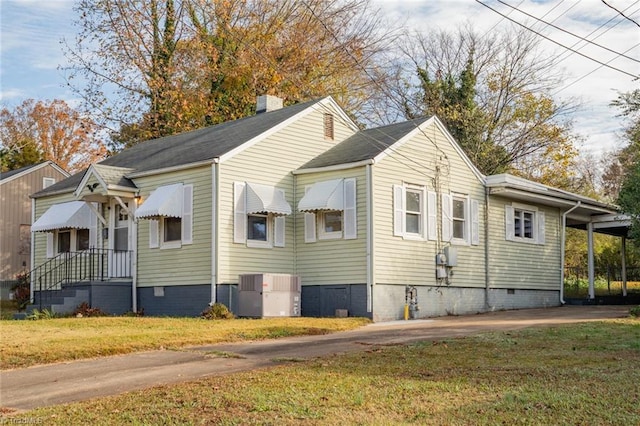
(217, 311)
(21, 292)
(635, 312)
(41, 315)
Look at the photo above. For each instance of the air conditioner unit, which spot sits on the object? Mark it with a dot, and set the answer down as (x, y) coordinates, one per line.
(269, 295)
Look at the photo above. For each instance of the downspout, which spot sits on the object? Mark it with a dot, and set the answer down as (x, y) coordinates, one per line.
(370, 271)
(134, 267)
(214, 230)
(562, 249)
(487, 277)
(32, 254)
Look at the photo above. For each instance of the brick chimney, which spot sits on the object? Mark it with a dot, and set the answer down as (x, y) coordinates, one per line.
(266, 103)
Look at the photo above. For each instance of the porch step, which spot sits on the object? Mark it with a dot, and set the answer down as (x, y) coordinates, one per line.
(61, 302)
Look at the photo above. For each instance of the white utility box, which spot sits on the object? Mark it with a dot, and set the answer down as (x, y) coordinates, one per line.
(269, 295)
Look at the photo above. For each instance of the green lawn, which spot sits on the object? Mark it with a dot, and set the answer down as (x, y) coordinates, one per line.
(584, 374)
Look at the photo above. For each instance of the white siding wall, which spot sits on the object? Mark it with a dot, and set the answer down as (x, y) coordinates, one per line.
(270, 162)
(333, 261)
(190, 264)
(427, 160)
(520, 265)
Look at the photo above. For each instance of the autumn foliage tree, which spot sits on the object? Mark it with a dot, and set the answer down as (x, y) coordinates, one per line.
(493, 91)
(158, 67)
(48, 130)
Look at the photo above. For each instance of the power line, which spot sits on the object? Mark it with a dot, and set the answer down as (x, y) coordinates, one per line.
(559, 44)
(625, 16)
(568, 32)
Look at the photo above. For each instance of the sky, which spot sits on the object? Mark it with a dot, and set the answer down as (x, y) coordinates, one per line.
(31, 32)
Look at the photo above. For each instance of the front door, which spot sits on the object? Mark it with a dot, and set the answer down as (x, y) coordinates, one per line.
(120, 241)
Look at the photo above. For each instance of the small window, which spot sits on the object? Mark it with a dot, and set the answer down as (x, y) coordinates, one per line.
(523, 224)
(257, 228)
(328, 126)
(459, 216)
(172, 229)
(82, 239)
(330, 224)
(413, 211)
(47, 182)
(64, 241)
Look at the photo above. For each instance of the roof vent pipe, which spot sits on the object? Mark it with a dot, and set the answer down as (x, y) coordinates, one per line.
(266, 103)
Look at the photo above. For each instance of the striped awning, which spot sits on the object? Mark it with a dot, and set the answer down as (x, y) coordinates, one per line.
(266, 199)
(326, 195)
(73, 214)
(164, 201)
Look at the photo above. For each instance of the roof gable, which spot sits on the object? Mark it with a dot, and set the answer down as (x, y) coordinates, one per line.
(15, 174)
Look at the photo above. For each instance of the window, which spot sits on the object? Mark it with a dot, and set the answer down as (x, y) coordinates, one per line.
(172, 229)
(69, 240)
(328, 126)
(257, 227)
(329, 224)
(259, 215)
(414, 212)
(82, 239)
(524, 224)
(64, 241)
(47, 182)
(459, 218)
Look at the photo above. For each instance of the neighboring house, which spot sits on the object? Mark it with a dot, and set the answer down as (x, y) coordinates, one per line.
(369, 220)
(15, 211)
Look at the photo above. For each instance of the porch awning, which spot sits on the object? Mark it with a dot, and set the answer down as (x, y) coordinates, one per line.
(164, 201)
(266, 199)
(326, 195)
(74, 214)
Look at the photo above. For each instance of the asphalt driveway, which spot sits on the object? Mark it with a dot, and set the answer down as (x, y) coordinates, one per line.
(45, 385)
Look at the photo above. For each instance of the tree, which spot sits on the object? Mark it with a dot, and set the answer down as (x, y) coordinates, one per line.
(494, 93)
(48, 130)
(629, 195)
(177, 65)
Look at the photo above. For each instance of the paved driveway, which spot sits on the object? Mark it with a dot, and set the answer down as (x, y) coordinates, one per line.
(80, 380)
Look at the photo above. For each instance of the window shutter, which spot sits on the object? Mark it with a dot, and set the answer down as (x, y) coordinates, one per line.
(93, 229)
(350, 214)
(187, 214)
(309, 223)
(541, 225)
(50, 249)
(509, 221)
(279, 230)
(398, 210)
(447, 217)
(475, 223)
(432, 215)
(239, 213)
(154, 230)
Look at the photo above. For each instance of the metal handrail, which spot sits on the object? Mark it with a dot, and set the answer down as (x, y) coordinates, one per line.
(72, 267)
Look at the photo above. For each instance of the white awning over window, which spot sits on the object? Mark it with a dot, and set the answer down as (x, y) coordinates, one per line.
(266, 199)
(327, 195)
(164, 201)
(74, 214)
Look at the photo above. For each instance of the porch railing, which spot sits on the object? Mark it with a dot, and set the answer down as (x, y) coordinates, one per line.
(607, 281)
(95, 264)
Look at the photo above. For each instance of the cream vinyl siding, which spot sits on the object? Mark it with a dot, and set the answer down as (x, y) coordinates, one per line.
(426, 159)
(333, 261)
(523, 265)
(191, 263)
(270, 162)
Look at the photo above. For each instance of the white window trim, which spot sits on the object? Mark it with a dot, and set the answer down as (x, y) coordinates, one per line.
(259, 243)
(156, 226)
(47, 182)
(168, 244)
(322, 233)
(538, 224)
(400, 212)
(466, 239)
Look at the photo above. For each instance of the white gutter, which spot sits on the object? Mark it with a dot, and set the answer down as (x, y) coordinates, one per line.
(370, 269)
(171, 169)
(562, 249)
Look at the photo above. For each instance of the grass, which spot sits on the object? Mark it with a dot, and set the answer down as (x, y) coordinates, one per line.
(570, 375)
(27, 343)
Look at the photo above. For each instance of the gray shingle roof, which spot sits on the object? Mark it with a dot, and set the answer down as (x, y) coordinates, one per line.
(364, 145)
(115, 175)
(190, 147)
(6, 175)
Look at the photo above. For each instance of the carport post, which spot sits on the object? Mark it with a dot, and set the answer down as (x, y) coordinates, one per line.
(592, 292)
(623, 264)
